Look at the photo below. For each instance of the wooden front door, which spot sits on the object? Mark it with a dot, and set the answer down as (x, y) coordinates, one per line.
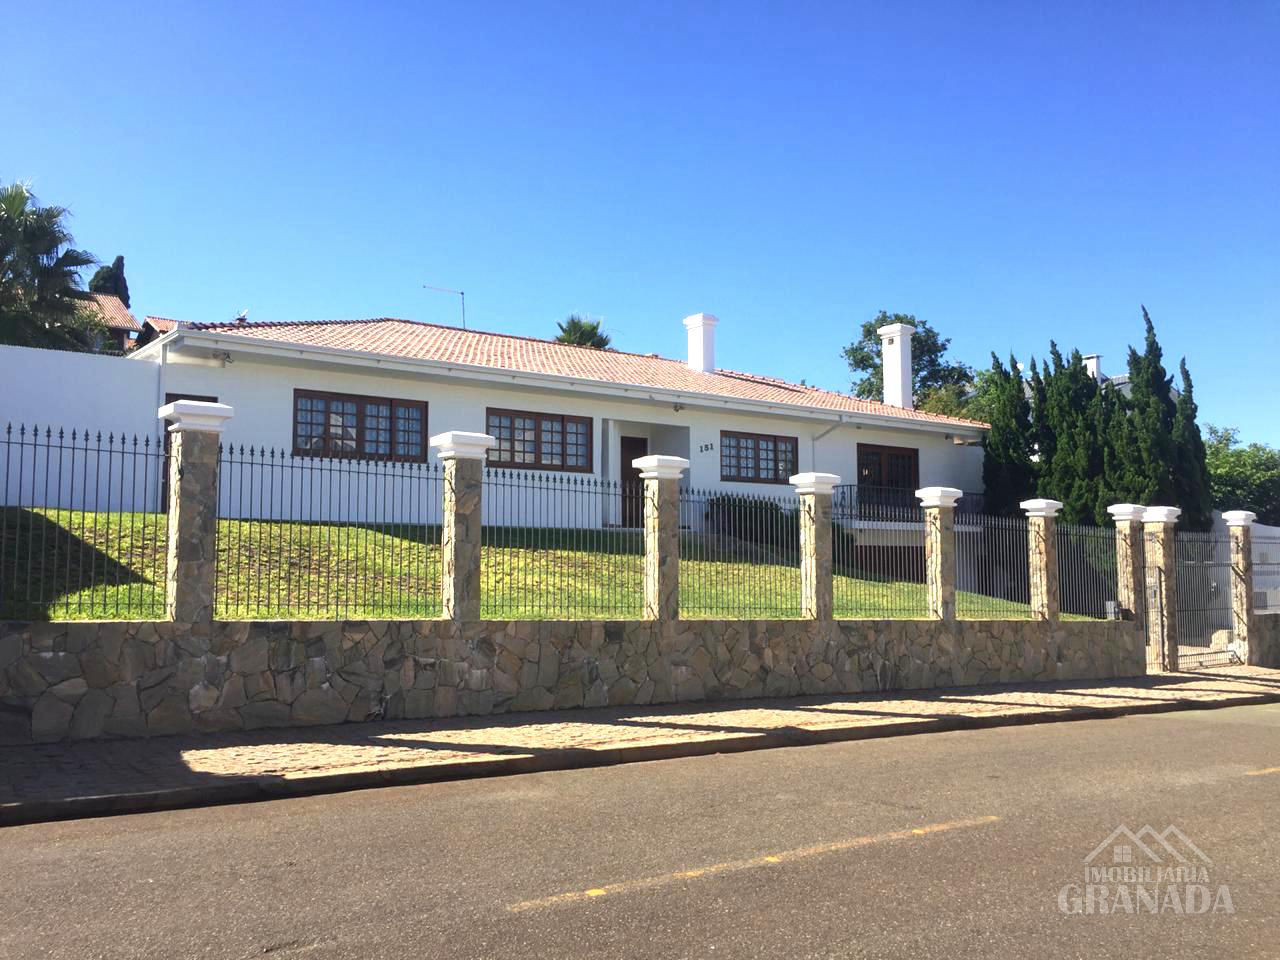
(632, 485)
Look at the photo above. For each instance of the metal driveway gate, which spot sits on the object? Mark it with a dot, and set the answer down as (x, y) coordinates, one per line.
(1202, 565)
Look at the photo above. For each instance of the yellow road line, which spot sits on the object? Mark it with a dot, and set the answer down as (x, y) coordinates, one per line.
(1263, 772)
(731, 866)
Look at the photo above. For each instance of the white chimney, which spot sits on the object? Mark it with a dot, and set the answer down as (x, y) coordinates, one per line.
(895, 341)
(702, 342)
(1093, 365)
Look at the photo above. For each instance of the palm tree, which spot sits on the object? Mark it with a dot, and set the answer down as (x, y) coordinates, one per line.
(42, 296)
(582, 332)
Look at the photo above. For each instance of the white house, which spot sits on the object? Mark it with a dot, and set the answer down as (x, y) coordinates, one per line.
(377, 389)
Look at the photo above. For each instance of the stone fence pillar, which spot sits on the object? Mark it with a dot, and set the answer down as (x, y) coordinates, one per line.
(1130, 571)
(195, 429)
(1240, 527)
(661, 476)
(814, 490)
(1162, 589)
(463, 457)
(1042, 553)
(940, 549)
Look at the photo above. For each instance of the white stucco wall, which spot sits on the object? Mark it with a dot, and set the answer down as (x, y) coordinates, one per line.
(77, 391)
(44, 393)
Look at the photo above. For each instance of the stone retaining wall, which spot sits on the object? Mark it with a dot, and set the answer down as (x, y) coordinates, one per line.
(1266, 635)
(78, 680)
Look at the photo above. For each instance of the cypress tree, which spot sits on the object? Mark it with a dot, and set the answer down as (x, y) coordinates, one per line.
(111, 280)
(1191, 472)
(1073, 474)
(1042, 441)
(1007, 473)
(1152, 411)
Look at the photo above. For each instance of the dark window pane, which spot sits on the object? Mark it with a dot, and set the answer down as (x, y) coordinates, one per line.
(409, 432)
(552, 442)
(747, 458)
(377, 429)
(525, 440)
(577, 444)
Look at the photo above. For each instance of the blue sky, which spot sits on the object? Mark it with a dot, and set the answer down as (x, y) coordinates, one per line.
(1010, 171)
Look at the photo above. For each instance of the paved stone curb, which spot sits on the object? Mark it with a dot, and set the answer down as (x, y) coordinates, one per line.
(256, 789)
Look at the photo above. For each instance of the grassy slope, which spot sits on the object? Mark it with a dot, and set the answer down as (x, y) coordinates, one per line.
(275, 571)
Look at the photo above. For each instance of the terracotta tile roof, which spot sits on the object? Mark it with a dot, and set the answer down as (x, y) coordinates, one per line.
(115, 315)
(427, 341)
(163, 324)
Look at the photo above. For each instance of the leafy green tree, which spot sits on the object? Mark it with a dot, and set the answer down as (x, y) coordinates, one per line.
(1193, 488)
(1007, 470)
(111, 280)
(582, 332)
(930, 369)
(42, 299)
(1243, 477)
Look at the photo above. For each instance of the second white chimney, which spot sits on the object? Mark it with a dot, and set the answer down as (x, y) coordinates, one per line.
(1093, 365)
(702, 342)
(895, 356)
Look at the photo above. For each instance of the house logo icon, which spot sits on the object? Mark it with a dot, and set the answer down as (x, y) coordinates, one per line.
(1124, 847)
(1146, 871)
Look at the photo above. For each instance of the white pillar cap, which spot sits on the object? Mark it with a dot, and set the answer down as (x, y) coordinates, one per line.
(1041, 507)
(196, 415)
(1239, 518)
(1121, 512)
(459, 445)
(815, 482)
(937, 496)
(1161, 514)
(896, 330)
(657, 467)
(700, 320)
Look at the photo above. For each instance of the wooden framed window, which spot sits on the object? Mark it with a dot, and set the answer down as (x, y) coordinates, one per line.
(352, 425)
(540, 441)
(757, 457)
(896, 467)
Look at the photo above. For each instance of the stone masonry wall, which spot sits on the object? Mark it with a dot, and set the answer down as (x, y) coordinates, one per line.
(79, 680)
(1266, 634)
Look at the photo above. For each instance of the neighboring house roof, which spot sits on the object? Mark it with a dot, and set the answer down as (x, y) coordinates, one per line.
(426, 341)
(115, 315)
(162, 324)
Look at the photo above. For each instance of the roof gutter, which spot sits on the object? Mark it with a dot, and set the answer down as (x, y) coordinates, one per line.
(274, 348)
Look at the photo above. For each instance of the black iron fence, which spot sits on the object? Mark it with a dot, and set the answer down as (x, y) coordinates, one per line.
(560, 546)
(1086, 570)
(83, 534)
(739, 555)
(877, 554)
(82, 529)
(320, 538)
(992, 568)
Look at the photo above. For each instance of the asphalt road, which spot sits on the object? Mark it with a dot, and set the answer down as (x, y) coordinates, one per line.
(943, 845)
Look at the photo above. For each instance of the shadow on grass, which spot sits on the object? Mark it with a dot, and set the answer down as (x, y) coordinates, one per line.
(60, 564)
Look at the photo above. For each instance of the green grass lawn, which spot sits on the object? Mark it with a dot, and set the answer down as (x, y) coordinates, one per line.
(65, 565)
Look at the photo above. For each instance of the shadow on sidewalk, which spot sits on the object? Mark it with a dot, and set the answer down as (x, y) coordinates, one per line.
(111, 776)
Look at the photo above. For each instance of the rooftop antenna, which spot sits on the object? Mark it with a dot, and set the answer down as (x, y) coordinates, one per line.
(462, 297)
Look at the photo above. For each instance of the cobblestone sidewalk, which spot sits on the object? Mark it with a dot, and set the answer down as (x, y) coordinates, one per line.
(96, 777)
